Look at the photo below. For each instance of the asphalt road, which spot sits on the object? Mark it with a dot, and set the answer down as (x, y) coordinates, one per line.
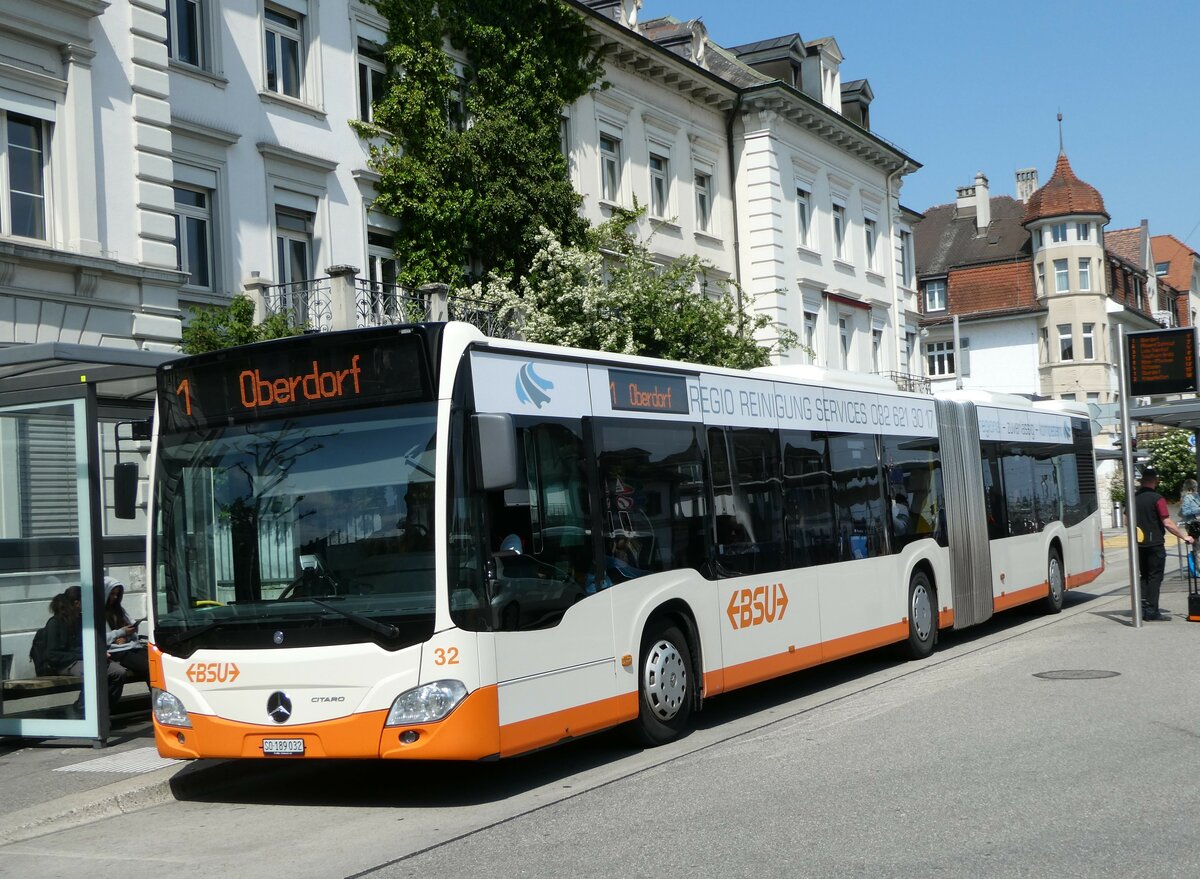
(964, 764)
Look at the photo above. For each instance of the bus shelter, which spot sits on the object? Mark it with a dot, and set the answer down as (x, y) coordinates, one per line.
(62, 409)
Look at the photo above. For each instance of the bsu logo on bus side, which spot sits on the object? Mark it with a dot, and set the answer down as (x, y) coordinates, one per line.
(753, 607)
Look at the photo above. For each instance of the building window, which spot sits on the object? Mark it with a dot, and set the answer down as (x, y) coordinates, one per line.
(185, 29)
(1093, 397)
(284, 58)
(1066, 350)
(458, 117)
(869, 240)
(1062, 276)
(1044, 337)
(844, 336)
(1161, 268)
(939, 358)
(810, 335)
(660, 185)
(23, 176)
(906, 260)
(372, 73)
(704, 201)
(564, 137)
(910, 347)
(1058, 233)
(381, 258)
(935, 295)
(193, 236)
(293, 245)
(803, 217)
(1089, 344)
(610, 168)
(1041, 279)
(1085, 274)
(1083, 231)
(839, 231)
(1041, 241)
(876, 349)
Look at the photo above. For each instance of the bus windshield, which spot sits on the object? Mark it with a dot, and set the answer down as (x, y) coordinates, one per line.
(297, 531)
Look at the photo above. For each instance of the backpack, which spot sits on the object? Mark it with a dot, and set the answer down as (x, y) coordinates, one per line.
(38, 651)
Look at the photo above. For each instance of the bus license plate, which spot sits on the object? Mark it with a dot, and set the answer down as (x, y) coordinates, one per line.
(283, 747)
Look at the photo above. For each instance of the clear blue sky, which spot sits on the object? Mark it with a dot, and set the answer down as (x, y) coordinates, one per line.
(963, 86)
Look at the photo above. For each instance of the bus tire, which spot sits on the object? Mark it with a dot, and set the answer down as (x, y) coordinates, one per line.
(922, 616)
(665, 682)
(1055, 582)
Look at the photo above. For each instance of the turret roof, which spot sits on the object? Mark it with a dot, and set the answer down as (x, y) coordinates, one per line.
(1064, 194)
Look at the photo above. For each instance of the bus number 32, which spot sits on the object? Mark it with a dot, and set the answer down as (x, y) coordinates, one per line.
(445, 656)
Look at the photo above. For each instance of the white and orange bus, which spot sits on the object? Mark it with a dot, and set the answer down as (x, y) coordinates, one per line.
(419, 542)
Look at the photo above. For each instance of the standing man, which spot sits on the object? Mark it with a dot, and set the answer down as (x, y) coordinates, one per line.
(1153, 521)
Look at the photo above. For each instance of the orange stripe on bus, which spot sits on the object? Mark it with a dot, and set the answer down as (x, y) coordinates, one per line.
(548, 729)
(154, 655)
(756, 670)
(1075, 580)
(1011, 599)
(946, 618)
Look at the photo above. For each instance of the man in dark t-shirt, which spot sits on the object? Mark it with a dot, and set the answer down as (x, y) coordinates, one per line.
(1153, 521)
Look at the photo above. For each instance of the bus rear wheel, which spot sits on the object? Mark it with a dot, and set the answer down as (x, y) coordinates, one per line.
(1056, 583)
(922, 616)
(665, 682)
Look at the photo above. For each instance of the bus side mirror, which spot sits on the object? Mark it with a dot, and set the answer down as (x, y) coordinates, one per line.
(125, 488)
(497, 444)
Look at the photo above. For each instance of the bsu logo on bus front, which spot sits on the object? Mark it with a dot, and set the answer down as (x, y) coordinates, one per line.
(753, 607)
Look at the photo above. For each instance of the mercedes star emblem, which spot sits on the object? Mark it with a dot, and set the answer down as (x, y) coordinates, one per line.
(279, 707)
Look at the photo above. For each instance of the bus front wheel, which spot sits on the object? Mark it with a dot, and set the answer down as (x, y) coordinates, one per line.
(665, 682)
(1055, 581)
(922, 616)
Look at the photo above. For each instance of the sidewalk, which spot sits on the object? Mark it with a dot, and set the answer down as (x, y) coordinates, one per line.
(51, 784)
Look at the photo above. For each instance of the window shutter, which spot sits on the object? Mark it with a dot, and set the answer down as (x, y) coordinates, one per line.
(47, 468)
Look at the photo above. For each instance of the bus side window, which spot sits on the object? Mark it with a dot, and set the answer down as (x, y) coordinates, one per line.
(540, 530)
(654, 508)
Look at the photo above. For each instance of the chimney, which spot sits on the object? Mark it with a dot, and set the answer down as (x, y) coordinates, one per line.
(983, 204)
(1027, 183)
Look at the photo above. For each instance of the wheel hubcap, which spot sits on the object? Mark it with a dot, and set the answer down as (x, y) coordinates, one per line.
(922, 611)
(665, 680)
(1056, 579)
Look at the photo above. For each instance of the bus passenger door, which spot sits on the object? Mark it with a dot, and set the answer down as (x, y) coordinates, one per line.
(766, 525)
(553, 628)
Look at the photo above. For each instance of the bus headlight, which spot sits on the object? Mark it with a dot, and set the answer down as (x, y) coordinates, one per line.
(426, 703)
(168, 710)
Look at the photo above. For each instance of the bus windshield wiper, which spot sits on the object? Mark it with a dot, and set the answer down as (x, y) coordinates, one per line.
(385, 629)
(188, 635)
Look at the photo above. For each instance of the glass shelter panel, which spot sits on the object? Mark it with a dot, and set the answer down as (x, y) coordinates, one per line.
(47, 644)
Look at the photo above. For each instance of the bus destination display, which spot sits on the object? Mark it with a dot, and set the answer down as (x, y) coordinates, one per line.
(1162, 362)
(648, 392)
(291, 379)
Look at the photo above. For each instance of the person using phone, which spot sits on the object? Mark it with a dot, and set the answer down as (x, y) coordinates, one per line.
(123, 631)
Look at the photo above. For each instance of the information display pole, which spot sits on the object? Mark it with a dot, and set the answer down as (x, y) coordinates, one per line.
(1135, 586)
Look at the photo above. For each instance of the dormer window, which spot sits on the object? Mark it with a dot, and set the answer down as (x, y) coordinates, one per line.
(935, 296)
(1058, 233)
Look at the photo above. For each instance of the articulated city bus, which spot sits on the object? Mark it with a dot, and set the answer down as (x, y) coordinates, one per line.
(419, 542)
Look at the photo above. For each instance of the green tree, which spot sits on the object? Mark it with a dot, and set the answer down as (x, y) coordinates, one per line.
(473, 168)
(1173, 457)
(212, 328)
(611, 294)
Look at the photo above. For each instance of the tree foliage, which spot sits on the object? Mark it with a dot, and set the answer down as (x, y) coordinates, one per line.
(611, 294)
(474, 191)
(215, 327)
(1173, 457)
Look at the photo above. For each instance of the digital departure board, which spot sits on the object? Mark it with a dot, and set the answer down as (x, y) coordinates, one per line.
(1161, 362)
(295, 377)
(648, 392)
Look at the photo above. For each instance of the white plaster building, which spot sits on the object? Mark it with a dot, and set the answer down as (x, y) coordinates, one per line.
(192, 149)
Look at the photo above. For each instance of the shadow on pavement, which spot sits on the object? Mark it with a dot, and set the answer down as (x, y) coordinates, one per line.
(358, 784)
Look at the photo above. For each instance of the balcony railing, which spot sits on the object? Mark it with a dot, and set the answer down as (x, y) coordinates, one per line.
(307, 304)
(379, 305)
(343, 301)
(906, 381)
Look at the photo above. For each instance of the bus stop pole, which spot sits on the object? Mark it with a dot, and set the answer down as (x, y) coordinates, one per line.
(1135, 586)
